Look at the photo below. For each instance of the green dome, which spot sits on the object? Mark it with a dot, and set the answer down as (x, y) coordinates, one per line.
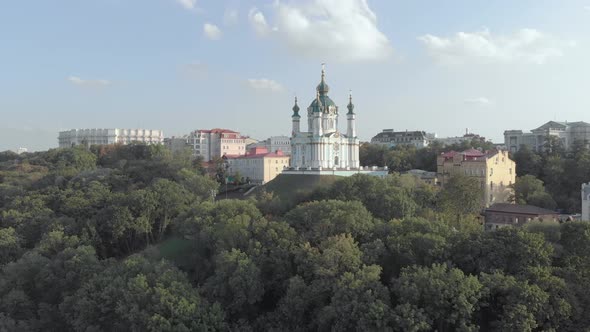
(325, 101)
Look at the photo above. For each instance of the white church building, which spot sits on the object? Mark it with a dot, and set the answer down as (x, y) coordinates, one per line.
(323, 148)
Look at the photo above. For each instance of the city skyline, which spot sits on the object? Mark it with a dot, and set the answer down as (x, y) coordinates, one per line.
(182, 65)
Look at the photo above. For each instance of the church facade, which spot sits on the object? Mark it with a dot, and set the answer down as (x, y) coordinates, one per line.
(323, 146)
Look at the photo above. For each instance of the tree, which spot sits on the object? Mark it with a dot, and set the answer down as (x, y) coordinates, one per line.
(527, 161)
(530, 190)
(316, 221)
(140, 295)
(10, 248)
(460, 196)
(446, 298)
(236, 284)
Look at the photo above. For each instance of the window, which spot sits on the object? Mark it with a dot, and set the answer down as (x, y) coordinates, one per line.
(491, 171)
(510, 171)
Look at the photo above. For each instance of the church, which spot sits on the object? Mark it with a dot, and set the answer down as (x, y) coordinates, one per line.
(323, 146)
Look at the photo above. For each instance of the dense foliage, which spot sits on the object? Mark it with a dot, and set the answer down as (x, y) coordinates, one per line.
(129, 238)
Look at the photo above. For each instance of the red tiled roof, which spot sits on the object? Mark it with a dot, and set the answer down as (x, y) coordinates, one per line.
(449, 154)
(278, 153)
(473, 153)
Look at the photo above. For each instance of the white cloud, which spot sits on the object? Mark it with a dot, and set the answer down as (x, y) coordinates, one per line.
(480, 101)
(339, 30)
(258, 22)
(230, 17)
(587, 8)
(188, 4)
(525, 46)
(265, 84)
(85, 82)
(211, 31)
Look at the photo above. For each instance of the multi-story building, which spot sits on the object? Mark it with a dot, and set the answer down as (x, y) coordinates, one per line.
(392, 138)
(258, 164)
(567, 132)
(274, 143)
(586, 202)
(468, 137)
(494, 170)
(210, 144)
(96, 136)
(505, 215)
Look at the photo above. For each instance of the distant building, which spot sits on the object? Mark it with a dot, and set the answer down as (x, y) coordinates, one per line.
(468, 137)
(96, 136)
(274, 143)
(504, 215)
(258, 164)
(426, 176)
(392, 138)
(22, 150)
(210, 144)
(494, 170)
(586, 202)
(567, 132)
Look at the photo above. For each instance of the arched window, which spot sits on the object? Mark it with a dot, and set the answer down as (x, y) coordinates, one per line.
(336, 161)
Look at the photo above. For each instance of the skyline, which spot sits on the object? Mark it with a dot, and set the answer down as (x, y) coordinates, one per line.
(182, 65)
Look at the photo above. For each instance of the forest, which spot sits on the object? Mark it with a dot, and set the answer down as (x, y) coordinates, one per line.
(131, 238)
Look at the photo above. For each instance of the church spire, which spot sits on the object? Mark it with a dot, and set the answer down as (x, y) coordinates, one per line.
(323, 88)
(350, 104)
(296, 108)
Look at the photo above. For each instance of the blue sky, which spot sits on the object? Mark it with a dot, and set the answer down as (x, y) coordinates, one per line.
(181, 65)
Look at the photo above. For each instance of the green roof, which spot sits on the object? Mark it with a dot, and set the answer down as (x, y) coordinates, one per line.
(325, 102)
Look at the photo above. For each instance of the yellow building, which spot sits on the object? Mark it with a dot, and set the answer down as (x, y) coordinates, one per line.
(258, 165)
(494, 170)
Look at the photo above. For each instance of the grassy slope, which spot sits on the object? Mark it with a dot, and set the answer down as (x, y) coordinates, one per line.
(288, 187)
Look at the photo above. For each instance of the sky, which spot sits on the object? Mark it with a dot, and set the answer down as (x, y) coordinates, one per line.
(182, 65)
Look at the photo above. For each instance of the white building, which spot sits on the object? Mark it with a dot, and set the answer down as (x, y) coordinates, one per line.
(586, 202)
(97, 136)
(390, 138)
(323, 149)
(567, 133)
(215, 143)
(322, 145)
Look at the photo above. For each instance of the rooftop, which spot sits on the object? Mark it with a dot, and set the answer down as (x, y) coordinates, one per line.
(519, 209)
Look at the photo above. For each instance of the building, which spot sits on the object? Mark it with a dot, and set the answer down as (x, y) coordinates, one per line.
(274, 143)
(22, 150)
(566, 132)
(426, 176)
(503, 215)
(458, 140)
(586, 202)
(210, 144)
(391, 138)
(322, 145)
(494, 170)
(95, 136)
(258, 164)
(323, 149)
